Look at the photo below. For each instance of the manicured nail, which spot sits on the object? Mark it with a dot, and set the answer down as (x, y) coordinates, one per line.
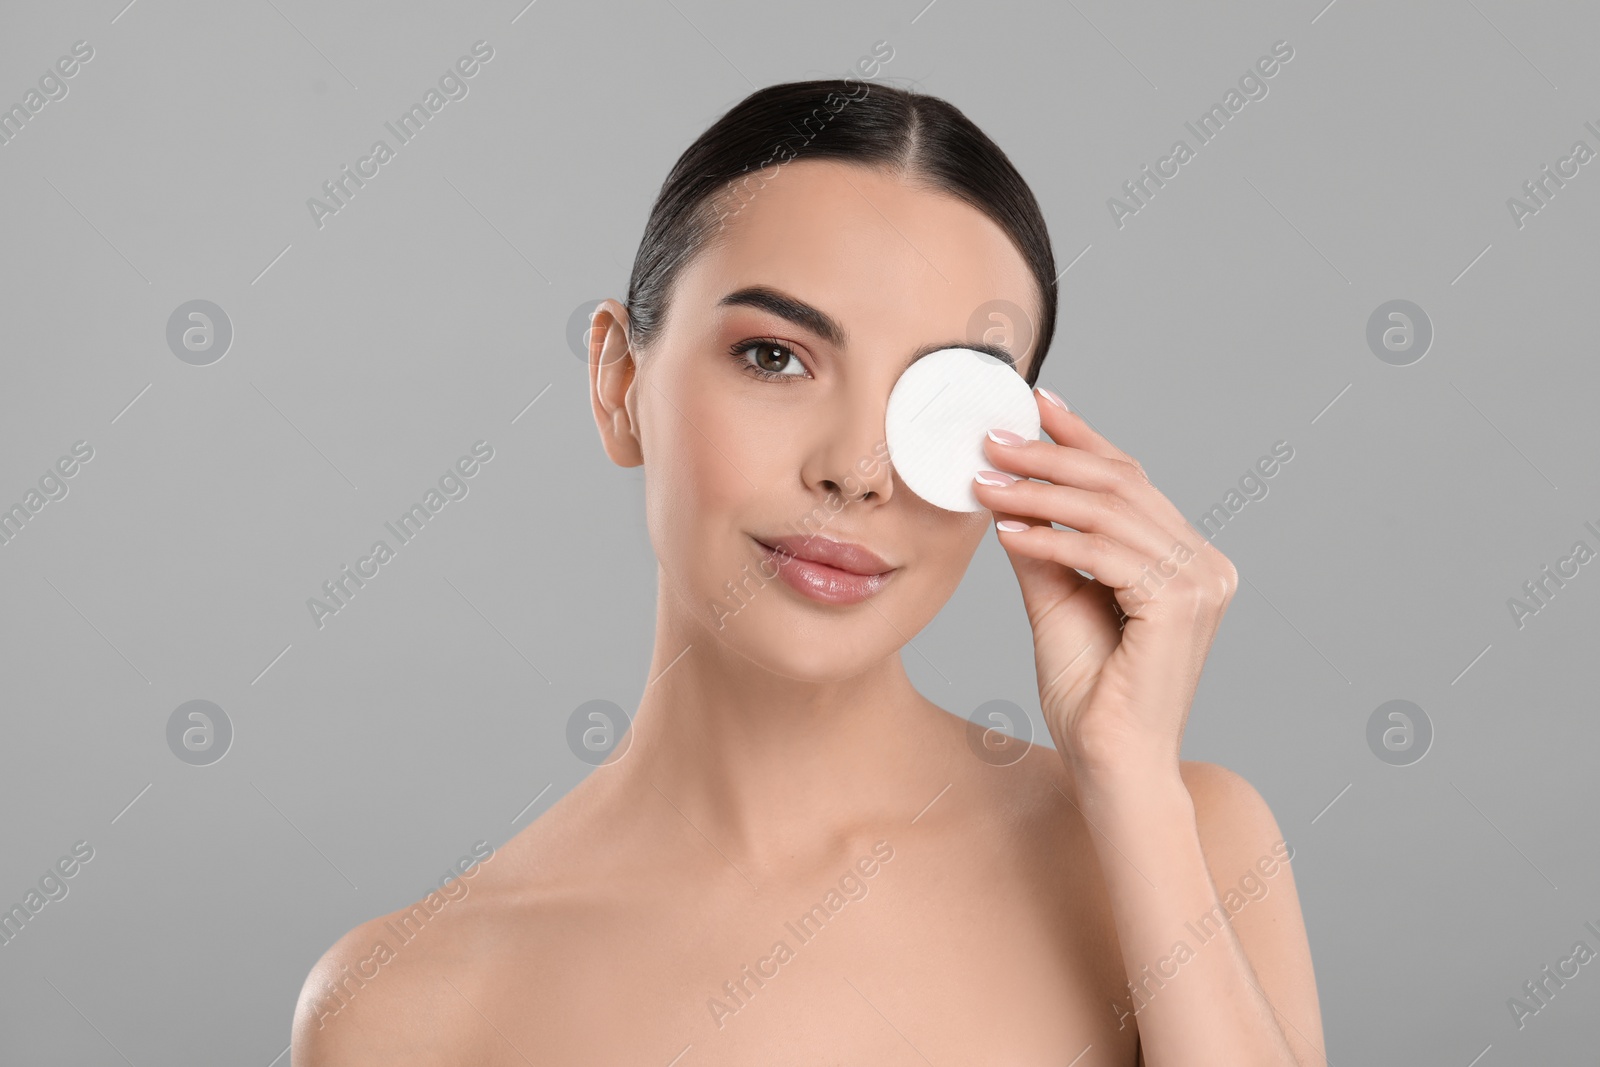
(1005, 437)
(1010, 527)
(1053, 398)
(994, 478)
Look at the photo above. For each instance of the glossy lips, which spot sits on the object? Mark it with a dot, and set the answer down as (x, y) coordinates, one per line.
(833, 572)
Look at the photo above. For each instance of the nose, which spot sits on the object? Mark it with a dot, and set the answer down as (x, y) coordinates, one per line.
(851, 454)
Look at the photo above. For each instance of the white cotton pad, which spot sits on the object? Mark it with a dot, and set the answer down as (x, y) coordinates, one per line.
(939, 416)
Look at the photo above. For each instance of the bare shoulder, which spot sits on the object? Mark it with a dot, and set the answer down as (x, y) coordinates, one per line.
(1238, 831)
(1248, 858)
(407, 987)
(426, 983)
(416, 986)
(1224, 792)
(373, 999)
(1249, 863)
(1244, 849)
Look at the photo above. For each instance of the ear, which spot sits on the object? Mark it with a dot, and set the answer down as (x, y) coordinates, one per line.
(612, 375)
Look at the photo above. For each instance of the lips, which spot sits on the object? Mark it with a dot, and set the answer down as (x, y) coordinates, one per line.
(830, 572)
(840, 555)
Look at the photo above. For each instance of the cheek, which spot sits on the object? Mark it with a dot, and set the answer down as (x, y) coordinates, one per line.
(952, 542)
(708, 463)
(718, 454)
(959, 536)
(945, 542)
(951, 534)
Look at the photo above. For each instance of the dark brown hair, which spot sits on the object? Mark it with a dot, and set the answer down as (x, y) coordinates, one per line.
(922, 138)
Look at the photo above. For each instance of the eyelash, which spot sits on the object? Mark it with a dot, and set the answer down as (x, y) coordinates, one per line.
(738, 350)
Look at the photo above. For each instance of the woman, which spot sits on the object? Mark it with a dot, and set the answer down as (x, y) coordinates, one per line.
(795, 857)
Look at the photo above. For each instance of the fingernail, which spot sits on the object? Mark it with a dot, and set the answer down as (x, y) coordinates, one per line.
(1010, 527)
(1053, 398)
(1005, 437)
(994, 478)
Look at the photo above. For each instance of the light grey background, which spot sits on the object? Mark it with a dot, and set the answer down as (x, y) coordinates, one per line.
(1230, 313)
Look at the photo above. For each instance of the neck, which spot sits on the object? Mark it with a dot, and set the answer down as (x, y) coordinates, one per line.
(765, 765)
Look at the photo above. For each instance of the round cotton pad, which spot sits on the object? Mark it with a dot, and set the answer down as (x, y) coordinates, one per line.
(939, 414)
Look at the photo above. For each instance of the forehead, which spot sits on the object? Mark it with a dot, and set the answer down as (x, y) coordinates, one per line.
(896, 263)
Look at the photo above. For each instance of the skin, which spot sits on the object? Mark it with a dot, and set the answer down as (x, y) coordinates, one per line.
(775, 747)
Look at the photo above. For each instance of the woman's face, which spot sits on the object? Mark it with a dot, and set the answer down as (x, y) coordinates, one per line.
(754, 424)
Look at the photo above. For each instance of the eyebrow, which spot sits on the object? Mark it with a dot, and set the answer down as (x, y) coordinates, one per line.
(781, 304)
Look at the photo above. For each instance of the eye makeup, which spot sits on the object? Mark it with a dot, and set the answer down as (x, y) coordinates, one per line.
(738, 353)
(813, 320)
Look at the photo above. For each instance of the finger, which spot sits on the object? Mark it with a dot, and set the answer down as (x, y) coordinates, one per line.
(1110, 561)
(1045, 584)
(1080, 509)
(1073, 453)
(1137, 588)
(1066, 466)
(1060, 463)
(1079, 455)
(1068, 427)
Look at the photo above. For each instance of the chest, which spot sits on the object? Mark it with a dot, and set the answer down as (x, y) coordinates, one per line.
(900, 969)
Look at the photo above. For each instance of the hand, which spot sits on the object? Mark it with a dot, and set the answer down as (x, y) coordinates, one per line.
(1119, 655)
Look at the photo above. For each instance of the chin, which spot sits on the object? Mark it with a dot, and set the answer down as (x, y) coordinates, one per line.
(816, 651)
(811, 666)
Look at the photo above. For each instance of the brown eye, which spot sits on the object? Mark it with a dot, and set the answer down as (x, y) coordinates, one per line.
(768, 359)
